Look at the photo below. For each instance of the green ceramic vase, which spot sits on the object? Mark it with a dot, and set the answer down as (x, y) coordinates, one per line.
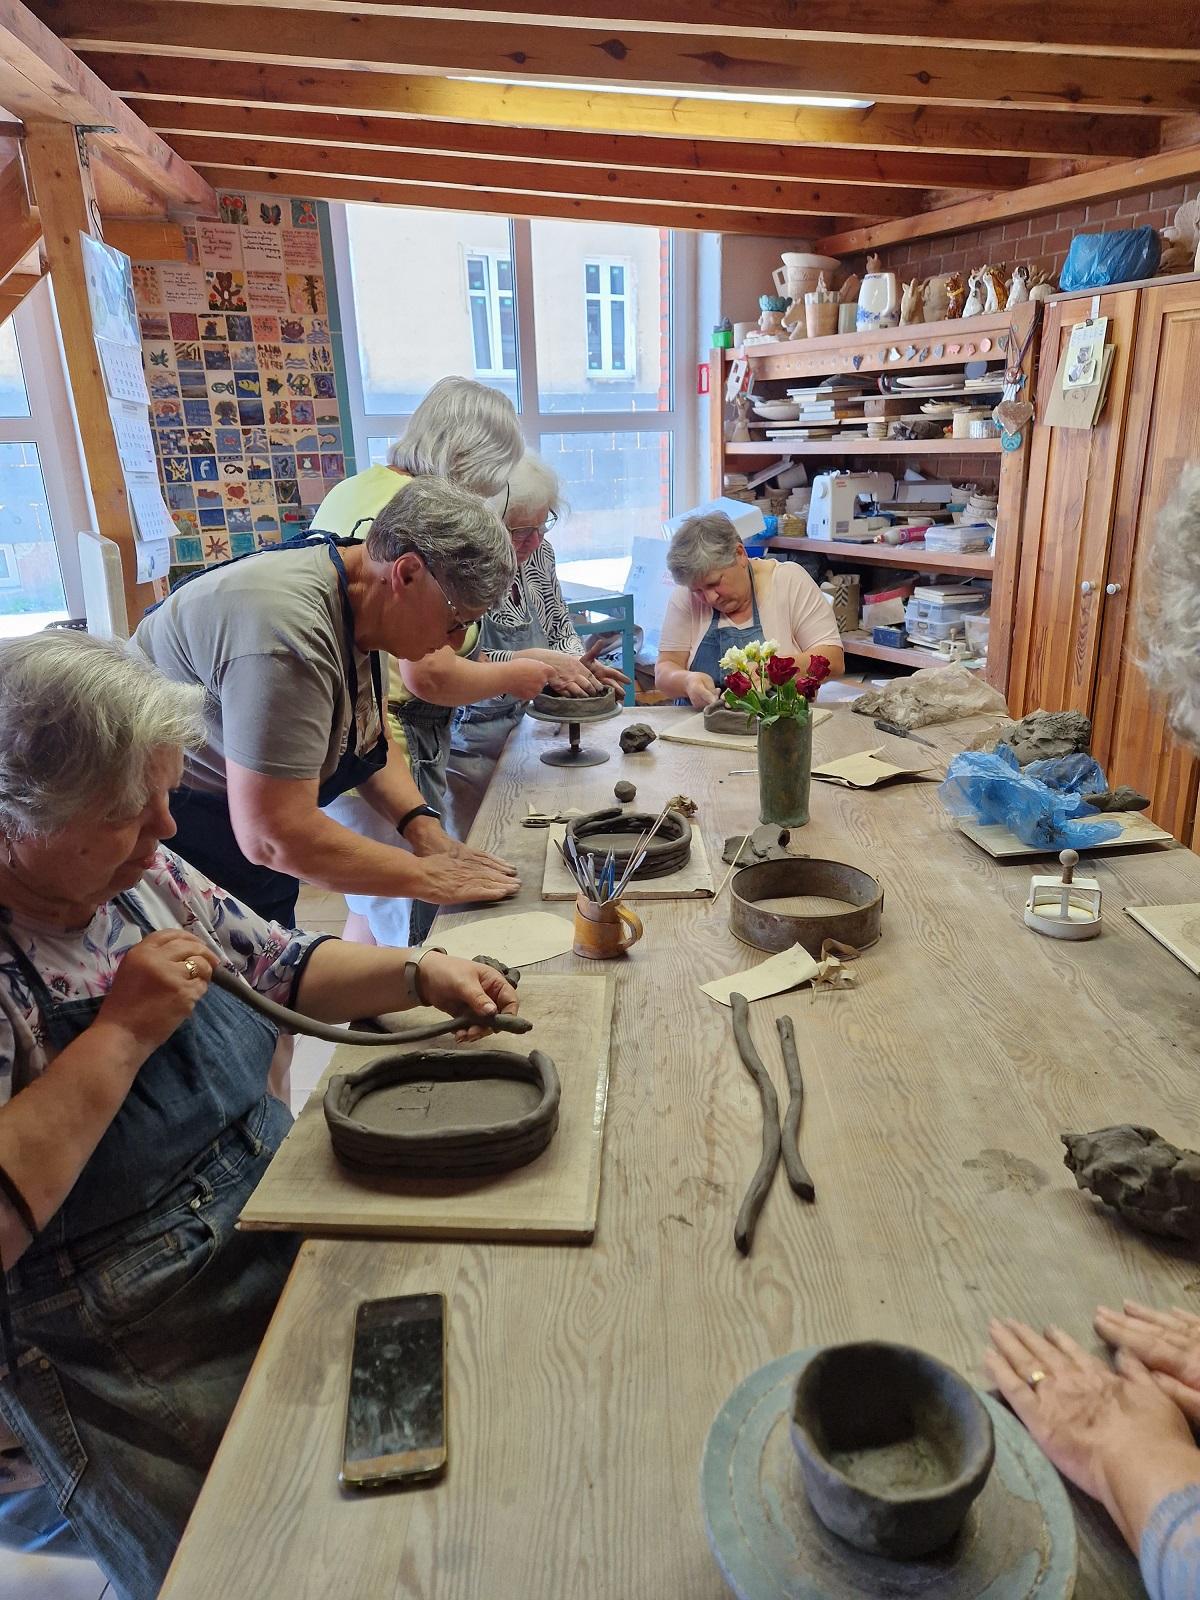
(784, 771)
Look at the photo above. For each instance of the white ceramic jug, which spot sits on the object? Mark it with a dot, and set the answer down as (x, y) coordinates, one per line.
(878, 302)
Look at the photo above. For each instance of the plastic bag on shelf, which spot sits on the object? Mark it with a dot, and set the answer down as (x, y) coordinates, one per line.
(1122, 256)
(991, 788)
(1080, 773)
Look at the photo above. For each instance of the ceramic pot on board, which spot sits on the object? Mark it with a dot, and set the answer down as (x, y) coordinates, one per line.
(800, 270)
(893, 1446)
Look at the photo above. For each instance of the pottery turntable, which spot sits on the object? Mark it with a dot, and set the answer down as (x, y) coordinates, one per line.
(574, 710)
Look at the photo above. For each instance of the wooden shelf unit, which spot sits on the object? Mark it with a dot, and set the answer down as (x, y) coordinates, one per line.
(935, 346)
(857, 644)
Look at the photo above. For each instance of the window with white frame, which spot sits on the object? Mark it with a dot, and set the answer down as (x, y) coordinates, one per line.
(509, 301)
(609, 318)
(493, 312)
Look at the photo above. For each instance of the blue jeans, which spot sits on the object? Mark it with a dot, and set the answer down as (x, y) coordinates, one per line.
(137, 1342)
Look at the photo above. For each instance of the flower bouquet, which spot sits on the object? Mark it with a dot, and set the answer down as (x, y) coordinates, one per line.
(766, 685)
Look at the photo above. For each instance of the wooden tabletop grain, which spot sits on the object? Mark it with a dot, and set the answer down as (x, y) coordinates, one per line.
(582, 1381)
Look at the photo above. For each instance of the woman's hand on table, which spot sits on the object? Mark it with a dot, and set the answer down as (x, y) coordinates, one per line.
(1114, 1434)
(157, 985)
(455, 986)
(1167, 1343)
(455, 874)
(701, 690)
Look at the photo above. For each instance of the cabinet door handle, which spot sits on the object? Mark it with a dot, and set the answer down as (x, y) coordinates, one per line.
(1086, 587)
(1112, 588)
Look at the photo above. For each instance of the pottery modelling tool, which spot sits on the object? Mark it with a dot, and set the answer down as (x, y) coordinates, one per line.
(737, 857)
(747, 1217)
(296, 1022)
(1066, 907)
(797, 1172)
(902, 733)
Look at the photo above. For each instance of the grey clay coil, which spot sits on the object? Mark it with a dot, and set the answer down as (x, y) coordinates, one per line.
(668, 851)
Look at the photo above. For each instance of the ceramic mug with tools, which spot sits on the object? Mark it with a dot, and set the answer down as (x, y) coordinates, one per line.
(604, 929)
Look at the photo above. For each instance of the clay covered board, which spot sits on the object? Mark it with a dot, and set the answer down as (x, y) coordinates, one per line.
(1136, 829)
(1177, 928)
(692, 731)
(694, 881)
(555, 1197)
(864, 770)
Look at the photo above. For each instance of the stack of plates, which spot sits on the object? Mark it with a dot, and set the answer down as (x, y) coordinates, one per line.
(776, 410)
(930, 382)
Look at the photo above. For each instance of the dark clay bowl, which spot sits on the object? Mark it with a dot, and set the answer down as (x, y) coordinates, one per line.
(893, 1445)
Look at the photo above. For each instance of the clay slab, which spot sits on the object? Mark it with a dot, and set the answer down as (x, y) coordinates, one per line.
(1005, 846)
(1175, 927)
(694, 881)
(555, 1197)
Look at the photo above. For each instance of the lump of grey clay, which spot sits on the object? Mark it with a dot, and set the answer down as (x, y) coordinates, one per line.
(625, 791)
(637, 736)
(1043, 735)
(767, 843)
(727, 719)
(1122, 798)
(1153, 1185)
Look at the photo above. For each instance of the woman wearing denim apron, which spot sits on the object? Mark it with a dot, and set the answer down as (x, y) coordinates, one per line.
(727, 599)
(134, 1115)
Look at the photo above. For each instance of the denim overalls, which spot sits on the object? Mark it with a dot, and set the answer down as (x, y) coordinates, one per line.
(717, 640)
(480, 730)
(138, 1309)
(205, 834)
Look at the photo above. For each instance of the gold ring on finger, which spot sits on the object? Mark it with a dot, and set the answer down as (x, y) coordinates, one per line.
(191, 967)
(1035, 1378)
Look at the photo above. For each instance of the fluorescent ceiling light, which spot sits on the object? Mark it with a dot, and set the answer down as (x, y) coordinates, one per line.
(837, 101)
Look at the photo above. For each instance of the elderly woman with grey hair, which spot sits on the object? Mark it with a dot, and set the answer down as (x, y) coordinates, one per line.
(287, 645)
(135, 1120)
(726, 598)
(1123, 1432)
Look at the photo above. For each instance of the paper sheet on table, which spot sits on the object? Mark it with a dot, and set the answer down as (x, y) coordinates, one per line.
(780, 972)
(519, 940)
(864, 770)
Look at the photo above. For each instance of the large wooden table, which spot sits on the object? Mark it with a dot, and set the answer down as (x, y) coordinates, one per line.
(582, 1381)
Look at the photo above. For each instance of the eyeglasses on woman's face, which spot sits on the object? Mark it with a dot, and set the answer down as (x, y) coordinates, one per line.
(457, 625)
(530, 529)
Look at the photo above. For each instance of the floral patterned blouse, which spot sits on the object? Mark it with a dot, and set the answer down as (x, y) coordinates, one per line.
(80, 964)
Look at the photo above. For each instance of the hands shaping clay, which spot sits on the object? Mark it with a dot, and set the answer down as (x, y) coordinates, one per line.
(724, 719)
(575, 708)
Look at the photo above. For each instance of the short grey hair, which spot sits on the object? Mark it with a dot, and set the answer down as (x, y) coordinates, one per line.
(464, 431)
(80, 719)
(701, 545)
(1171, 618)
(533, 487)
(460, 539)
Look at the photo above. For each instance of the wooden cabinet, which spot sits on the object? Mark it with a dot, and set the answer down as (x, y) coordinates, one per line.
(1090, 511)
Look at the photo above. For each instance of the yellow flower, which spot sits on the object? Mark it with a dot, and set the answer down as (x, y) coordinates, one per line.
(735, 659)
(767, 649)
(753, 651)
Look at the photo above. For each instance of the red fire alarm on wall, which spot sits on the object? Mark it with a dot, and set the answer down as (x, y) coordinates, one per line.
(702, 378)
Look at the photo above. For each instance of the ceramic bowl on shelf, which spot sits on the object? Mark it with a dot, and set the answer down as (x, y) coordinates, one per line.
(776, 410)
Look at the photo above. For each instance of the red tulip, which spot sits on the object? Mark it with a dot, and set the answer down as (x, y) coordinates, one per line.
(781, 669)
(818, 668)
(738, 683)
(808, 687)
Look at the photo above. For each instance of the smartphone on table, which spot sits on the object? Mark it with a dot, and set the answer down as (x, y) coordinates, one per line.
(396, 1407)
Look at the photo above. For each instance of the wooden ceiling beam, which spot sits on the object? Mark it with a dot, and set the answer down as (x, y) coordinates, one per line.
(802, 163)
(40, 80)
(503, 203)
(534, 177)
(20, 226)
(1102, 183)
(1072, 27)
(886, 128)
(512, 52)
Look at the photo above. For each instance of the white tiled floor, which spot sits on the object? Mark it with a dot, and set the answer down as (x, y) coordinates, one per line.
(54, 1577)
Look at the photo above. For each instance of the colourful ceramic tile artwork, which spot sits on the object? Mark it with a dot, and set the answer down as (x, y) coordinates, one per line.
(240, 368)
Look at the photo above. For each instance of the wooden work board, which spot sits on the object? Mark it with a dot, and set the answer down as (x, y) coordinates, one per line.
(556, 1197)
(693, 881)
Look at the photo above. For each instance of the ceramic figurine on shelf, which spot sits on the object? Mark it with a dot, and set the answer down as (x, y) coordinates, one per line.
(738, 427)
(994, 289)
(955, 295)
(936, 298)
(1018, 288)
(974, 305)
(874, 264)
(772, 307)
(912, 303)
(1041, 284)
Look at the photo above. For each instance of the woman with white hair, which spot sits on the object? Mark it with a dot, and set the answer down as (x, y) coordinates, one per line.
(135, 1120)
(726, 598)
(530, 630)
(462, 430)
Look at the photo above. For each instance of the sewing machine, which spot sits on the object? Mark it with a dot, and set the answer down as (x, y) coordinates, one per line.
(833, 511)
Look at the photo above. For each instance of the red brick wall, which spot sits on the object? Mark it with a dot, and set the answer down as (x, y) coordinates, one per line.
(1041, 239)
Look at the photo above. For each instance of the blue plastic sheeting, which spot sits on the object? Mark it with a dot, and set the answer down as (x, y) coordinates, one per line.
(1097, 259)
(990, 787)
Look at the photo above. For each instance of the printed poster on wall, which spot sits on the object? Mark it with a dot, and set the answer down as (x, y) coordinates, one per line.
(109, 276)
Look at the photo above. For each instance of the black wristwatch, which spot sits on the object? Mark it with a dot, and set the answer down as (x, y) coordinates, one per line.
(411, 816)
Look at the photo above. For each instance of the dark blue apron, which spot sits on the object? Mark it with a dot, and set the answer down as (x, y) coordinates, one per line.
(717, 640)
(205, 834)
